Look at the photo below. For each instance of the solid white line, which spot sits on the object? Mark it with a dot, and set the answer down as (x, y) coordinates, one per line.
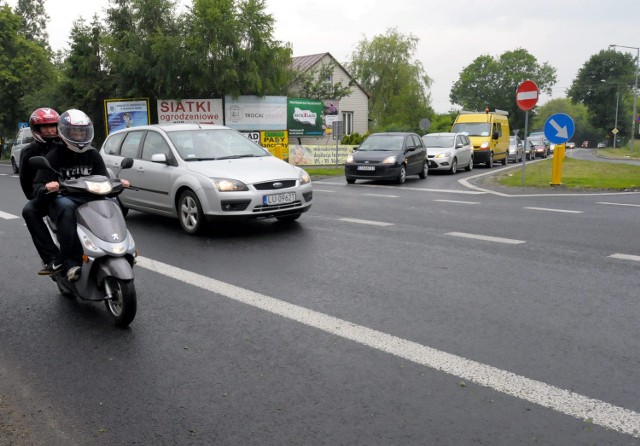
(619, 204)
(323, 190)
(561, 400)
(625, 257)
(456, 201)
(8, 216)
(419, 189)
(381, 195)
(487, 238)
(566, 211)
(366, 222)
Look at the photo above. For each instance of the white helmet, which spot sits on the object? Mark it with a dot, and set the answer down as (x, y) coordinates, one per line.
(76, 130)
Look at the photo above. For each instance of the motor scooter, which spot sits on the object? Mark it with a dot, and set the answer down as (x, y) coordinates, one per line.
(108, 248)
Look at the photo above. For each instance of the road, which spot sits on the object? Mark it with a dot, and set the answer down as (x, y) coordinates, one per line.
(426, 313)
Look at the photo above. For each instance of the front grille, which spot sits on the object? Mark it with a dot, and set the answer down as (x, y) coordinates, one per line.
(269, 185)
(295, 204)
(234, 205)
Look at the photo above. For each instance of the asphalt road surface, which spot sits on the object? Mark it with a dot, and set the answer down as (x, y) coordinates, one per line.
(433, 312)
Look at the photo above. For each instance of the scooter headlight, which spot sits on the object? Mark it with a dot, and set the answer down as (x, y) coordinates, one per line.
(99, 187)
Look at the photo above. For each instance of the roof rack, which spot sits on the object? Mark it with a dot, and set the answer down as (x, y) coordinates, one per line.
(497, 112)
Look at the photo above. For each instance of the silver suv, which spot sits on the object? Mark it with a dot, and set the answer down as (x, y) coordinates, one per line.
(23, 139)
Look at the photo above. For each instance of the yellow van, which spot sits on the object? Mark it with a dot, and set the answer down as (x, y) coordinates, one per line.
(489, 134)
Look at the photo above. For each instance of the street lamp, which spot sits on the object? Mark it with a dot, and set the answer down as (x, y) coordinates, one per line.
(615, 126)
(635, 90)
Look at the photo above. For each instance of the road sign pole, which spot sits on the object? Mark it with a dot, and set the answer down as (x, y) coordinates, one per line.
(526, 142)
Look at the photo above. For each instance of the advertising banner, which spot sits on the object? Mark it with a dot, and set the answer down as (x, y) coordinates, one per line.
(124, 113)
(256, 113)
(304, 117)
(202, 111)
(276, 142)
(301, 155)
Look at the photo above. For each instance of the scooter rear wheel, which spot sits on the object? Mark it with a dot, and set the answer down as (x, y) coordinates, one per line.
(123, 303)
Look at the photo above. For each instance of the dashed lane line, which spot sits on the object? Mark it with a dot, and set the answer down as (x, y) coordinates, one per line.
(458, 201)
(566, 211)
(619, 204)
(486, 238)
(625, 257)
(366, 222)
(561, 400)
(7, 216)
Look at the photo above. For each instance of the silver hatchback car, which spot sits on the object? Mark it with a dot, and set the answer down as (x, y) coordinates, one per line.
(449, 151)
(201, 173)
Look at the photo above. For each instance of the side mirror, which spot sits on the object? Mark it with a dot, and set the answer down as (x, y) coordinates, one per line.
(159, 158)
(495, 135)
(355, 149)
(459, 145)
(127, 163)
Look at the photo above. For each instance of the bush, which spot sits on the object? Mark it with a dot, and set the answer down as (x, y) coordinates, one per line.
(355, 139)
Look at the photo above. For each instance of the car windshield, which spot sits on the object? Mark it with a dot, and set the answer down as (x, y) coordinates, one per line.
(473, 128)
(437, 141)
(214, 144)
(382, 143)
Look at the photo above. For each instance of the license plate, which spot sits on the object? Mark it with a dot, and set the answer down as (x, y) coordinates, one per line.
(366, 167)
(271, 200)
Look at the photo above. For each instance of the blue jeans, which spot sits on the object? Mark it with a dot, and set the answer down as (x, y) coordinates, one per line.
(33, 214)
(62, 211)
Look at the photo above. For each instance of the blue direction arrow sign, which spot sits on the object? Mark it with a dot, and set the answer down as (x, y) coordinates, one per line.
(559, 128)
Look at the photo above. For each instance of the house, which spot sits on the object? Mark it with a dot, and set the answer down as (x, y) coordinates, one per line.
(353, 109)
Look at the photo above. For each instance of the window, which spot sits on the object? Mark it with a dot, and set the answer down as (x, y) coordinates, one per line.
(131, 144)
(347, 119)
(154, 143)
(112, 145)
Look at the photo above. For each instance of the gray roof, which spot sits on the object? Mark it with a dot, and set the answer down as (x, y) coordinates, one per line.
(303, 64)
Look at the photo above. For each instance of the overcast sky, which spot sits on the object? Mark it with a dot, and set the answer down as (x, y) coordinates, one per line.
(563, 33)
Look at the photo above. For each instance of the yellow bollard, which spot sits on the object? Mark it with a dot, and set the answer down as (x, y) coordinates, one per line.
(556, 167)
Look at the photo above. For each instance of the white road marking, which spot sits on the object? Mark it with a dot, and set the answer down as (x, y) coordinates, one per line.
(366, 222)
(323, 190)
(6, 216)
(566, 211)
(487, 238)
(625, 257)
(456, 201)
(564, 401)
(418, 189)
(381, 195)
(619, 204)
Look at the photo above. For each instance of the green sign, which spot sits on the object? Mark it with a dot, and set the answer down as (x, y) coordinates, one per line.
(304, 117)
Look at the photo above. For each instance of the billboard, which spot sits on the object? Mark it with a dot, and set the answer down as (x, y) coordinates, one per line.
(305, 117)
(202, 111)
(124, 113)
(256, 113)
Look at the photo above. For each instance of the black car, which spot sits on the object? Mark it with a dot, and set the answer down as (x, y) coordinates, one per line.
(387, 156)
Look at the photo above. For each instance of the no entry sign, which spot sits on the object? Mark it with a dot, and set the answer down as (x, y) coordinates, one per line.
(527, 95)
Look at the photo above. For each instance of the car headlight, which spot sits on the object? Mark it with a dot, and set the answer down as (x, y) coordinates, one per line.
(228, 185)
(484, 145)
(443, 155)
(389, 160)
(304, 178)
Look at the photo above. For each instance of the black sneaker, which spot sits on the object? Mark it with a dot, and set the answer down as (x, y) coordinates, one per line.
(74, 273)
(50, 268)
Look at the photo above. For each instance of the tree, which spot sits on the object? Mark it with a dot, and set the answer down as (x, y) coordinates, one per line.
(605, 77)
(313, 84)
(231, 50)
(442, 122)
(398, 85)
(34, 21)
(584, 131)
(492, 82)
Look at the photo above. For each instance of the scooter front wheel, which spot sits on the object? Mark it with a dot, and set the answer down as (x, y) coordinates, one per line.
(123, 303)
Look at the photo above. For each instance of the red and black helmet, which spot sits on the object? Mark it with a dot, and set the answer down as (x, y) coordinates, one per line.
(43, 116)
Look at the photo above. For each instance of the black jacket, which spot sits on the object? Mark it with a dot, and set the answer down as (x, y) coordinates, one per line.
(27, 173)
(71, 165)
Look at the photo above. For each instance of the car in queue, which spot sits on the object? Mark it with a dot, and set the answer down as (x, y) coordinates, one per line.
(448, 151)
(204, 173)
(21, 141)
(389, 157)
(539, 144)
(516, 149)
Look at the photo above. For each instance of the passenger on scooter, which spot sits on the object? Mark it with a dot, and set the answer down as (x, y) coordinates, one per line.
(76, 158)
(44, 128)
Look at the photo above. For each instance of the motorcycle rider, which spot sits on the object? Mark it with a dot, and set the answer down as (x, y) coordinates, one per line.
(44, 127)
(76, 158)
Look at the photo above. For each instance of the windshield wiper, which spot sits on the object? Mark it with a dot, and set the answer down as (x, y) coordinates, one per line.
(231, 157)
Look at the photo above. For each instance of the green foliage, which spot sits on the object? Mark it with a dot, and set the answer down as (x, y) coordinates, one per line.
(34, 21)
(578, 112)
(492, 82)
(355, 139)
(617, 70)
(441, 122)
(385, 68)
(318, 84)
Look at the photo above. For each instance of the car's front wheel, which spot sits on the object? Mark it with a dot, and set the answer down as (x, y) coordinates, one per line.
(454, 167)
(402, 176)
(14, 166)
(190, 213)
(351, 180)
(490, 161)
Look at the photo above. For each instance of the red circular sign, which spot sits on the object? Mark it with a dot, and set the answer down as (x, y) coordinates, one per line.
(527, 95)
